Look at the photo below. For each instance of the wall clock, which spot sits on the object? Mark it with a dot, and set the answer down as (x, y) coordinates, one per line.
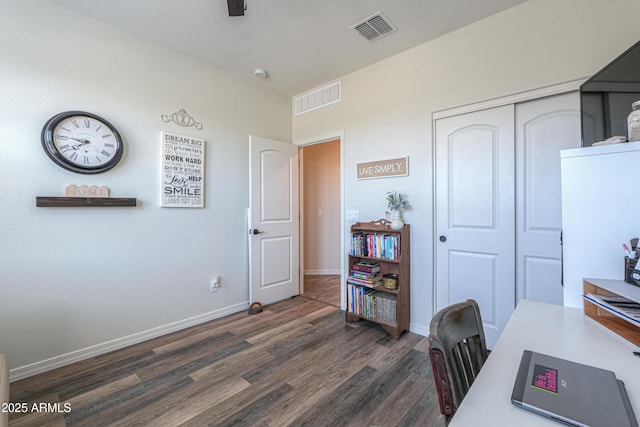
(82, 142)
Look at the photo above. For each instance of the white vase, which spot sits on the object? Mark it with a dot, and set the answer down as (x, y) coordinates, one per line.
(396, 220)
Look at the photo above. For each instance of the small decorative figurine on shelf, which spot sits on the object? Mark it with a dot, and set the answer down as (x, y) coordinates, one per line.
(397, 203)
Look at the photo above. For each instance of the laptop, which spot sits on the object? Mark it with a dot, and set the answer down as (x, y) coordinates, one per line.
(571, 393)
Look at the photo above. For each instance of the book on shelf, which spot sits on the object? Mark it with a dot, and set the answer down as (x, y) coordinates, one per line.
(375, 245)
(370, 282)
(366, 267)
(362, 275)
(371, 304)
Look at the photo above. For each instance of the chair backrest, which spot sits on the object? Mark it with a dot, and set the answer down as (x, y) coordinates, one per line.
(457, 350)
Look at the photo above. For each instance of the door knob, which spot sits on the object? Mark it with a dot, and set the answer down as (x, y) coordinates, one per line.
(443, 238)
(256, 231)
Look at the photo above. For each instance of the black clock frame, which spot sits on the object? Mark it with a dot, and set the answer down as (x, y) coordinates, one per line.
(52, 151)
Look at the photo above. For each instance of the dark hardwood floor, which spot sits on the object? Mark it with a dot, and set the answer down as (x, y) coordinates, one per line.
(295, 364)
(324, 288)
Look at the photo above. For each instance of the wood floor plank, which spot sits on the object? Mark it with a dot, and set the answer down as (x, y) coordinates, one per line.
(273, 316)
(330, 370)
(40, 419)
(239, 327)
(69, 384)
(203, 353)
(400, 349)
(299, 321)
(337, 408)
(194, 400)
(213, 334)
(216, 415)
(401, 399)
(386, 382)
(422, 345)
(273, 337)
(253, 414)
(296, 363)
(426, 412)
(110, 409)
(325, 288)
(234, 366)
(110, 389)
(297, 346)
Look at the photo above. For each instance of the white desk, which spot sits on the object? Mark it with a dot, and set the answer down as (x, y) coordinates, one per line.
(551, 329)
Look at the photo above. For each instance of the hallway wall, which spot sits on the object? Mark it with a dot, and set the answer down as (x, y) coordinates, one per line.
(321, 195)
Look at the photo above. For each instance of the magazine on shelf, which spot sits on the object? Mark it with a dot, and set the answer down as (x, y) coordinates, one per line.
(620, 306)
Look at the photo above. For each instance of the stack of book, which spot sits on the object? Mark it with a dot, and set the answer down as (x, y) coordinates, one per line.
(365, 274)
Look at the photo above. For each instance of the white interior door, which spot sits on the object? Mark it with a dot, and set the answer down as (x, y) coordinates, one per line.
(543, 128)
(273, 220)
(475, 218)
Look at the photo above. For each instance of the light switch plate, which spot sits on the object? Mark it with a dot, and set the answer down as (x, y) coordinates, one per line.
(353, 216)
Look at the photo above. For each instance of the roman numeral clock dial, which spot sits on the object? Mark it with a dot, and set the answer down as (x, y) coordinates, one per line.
(82, 142)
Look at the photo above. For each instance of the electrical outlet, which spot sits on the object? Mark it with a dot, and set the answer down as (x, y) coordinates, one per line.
(214, 284)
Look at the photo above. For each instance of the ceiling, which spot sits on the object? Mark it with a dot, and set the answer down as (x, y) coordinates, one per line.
(300, 43)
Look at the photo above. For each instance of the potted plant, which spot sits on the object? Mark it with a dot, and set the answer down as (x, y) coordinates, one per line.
(397, 203)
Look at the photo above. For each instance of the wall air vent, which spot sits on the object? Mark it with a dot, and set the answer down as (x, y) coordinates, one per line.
(374, 27)
(317, 99)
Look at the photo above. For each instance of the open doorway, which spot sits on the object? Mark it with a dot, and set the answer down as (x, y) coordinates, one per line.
(320, 210)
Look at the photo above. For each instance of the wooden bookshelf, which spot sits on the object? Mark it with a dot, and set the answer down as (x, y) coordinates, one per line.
(392, 259)
(617, 324)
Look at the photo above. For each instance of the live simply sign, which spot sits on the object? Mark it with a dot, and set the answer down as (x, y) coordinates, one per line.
(384, 168)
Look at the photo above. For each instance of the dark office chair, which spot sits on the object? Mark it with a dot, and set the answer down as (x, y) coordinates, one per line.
(458, 350)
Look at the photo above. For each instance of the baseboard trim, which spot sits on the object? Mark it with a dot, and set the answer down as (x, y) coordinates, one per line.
(419, 329)
(36, 368)
(321, 272)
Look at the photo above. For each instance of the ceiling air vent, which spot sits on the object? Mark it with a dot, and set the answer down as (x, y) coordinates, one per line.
(374, 27)
(317, 99)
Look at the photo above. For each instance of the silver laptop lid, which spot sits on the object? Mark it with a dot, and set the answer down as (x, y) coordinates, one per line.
(571, 392)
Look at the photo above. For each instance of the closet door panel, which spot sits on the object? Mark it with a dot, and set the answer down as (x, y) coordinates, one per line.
(543, 128)
(475, 214)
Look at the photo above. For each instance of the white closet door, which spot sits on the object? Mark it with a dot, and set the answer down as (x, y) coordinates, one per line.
(475, 218)
(543, 128)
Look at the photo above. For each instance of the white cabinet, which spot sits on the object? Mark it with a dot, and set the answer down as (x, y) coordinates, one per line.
(600, 206)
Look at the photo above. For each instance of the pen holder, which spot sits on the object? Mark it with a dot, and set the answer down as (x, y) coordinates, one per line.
(631, 275)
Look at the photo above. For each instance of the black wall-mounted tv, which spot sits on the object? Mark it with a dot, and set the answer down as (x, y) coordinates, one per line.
(606, 97)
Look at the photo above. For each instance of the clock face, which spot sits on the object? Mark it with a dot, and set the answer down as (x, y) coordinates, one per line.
(82, 142)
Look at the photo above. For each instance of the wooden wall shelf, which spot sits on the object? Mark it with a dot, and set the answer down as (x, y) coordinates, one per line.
(59, 202)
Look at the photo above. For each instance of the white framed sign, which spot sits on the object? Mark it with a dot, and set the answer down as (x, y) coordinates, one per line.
(182, 182)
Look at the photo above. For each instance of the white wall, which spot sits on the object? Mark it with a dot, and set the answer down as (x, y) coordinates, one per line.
(78, 280)
(386, 109)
